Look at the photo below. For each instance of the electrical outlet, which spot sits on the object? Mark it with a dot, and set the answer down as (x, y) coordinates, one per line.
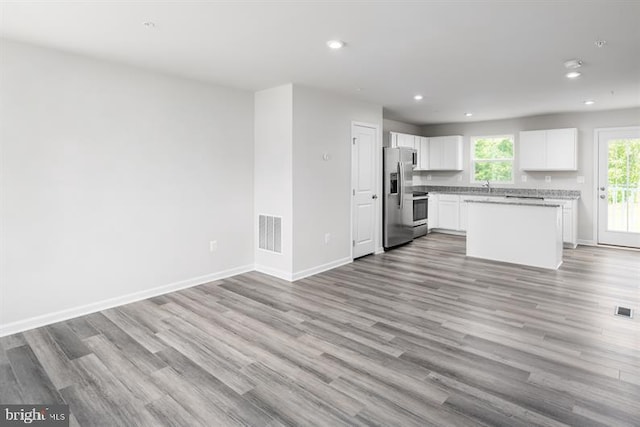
(459, 178)
(428, 177)
(327, 237)
(523, 178)
(580, 179)
(213, 245)
(547, 178)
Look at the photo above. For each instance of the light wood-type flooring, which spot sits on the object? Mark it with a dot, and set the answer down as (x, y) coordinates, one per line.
(418, 336)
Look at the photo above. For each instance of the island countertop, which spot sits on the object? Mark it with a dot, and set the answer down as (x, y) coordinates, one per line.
(500, 192)
(517, 202)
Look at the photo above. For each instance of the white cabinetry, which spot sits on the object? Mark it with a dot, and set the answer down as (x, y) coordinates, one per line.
(548, 150)
(403, 140)
(432, 211)
(445, 153)
(464, 210)
(422, 145)
(440, 153)
(449, 211)
(569, 221)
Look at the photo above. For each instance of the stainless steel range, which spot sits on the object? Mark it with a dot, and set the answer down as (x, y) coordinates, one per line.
(420, 213)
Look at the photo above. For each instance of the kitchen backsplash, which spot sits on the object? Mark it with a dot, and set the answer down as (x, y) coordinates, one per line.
(557, 194)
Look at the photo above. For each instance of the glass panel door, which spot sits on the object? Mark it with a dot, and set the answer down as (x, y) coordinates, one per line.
(619, 188)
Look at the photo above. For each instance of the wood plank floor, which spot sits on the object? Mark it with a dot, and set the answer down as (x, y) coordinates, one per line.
(417, 336)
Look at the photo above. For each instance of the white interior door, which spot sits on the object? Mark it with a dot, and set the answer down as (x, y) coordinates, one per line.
(619, 186)
(365, 198)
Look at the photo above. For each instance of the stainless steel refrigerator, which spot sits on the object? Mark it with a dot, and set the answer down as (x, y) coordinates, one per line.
(398, 195)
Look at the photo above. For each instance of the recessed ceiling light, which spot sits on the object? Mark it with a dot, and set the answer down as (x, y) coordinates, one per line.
(573, 74)
(572, 64)
(417, 97)
(589, 102)
(600, 43)
(335, 44)
(468, 114)
(149, 24)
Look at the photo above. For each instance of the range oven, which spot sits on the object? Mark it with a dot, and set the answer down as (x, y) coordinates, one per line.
(420, 213)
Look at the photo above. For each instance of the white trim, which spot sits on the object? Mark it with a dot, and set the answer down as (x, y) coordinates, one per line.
(472, 163)
(596, 182)
(448, 231)
(596, 173)
(321, 268)
(379, 250)
(280, 274)
(587, 242)
(378, 173)
(58, 316)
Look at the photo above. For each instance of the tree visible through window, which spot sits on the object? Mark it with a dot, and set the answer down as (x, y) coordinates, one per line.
(492, 158)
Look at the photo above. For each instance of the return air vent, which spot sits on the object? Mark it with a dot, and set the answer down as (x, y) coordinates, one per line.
(624, 312)
(270, 233)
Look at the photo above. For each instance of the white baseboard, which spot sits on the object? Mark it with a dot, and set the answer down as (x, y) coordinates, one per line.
(47, 319)
(379, 251)
(280, 274)
(587, 242)
(447, 231)
(320, 268)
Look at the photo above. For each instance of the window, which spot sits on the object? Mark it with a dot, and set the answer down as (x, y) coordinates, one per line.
(492, 159)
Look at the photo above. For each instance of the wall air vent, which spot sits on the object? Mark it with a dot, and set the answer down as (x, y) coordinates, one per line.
(270, 233)
(624, 312)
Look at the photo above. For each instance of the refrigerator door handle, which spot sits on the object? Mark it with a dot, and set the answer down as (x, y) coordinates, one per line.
(401, 182)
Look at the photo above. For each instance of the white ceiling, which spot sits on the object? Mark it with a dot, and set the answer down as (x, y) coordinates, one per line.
(497, 59)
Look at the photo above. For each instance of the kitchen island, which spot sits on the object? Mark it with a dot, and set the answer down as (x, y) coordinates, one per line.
(519, 232)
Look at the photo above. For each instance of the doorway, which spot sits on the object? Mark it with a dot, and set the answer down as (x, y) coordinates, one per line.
(365, 188)
(619, 186)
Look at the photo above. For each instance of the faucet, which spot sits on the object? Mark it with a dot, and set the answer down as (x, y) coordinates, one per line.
(488, 185)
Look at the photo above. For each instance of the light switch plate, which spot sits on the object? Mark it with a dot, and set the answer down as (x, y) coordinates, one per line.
(580, 179)
(547, 178)
(523, 178)
(428, 177)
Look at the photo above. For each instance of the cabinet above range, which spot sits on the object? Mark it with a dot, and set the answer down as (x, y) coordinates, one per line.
(438, 153)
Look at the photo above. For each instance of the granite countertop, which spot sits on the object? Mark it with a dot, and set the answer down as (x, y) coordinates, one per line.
(501, 192)
(518, 203)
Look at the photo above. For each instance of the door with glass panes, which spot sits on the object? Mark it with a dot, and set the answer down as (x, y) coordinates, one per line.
(619, 186)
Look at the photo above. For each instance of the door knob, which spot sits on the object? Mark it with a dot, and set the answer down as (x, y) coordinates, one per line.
(601, 188)
(375, 196)
(602, 196)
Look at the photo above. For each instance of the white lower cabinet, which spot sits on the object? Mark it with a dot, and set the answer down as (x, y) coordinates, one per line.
(464, 210)
(432, 211)
(569, 221)
(449, 211)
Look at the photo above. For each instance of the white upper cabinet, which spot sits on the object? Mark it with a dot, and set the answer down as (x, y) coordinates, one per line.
(422, 145)
(440, 153)
(445, 153)
(549, 150)
(405, 140)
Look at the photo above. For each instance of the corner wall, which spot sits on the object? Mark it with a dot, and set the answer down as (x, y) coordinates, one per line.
(274, 174)
(113, 181)
(322, 188)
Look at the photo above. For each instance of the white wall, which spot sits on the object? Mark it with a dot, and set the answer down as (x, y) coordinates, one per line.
(274, 174)
(585, 122)
(322, 189)
(113, 182)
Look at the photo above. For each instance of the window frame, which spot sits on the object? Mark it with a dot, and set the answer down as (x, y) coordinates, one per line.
(472, 144)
